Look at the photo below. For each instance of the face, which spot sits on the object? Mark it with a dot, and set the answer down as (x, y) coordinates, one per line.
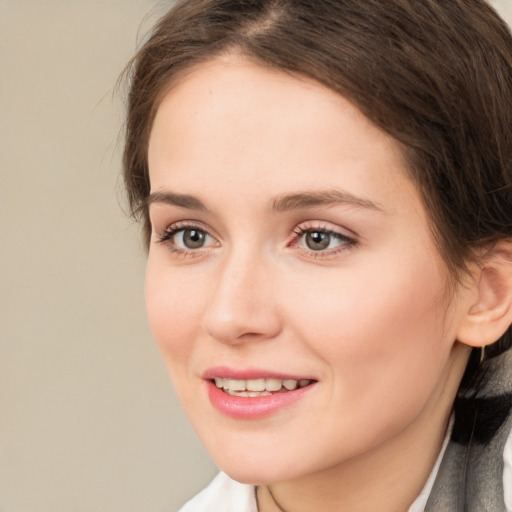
(293, 284)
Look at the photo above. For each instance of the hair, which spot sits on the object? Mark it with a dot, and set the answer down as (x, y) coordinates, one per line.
(434, 74)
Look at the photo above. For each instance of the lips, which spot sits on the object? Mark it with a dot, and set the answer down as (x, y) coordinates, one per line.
(254, 394)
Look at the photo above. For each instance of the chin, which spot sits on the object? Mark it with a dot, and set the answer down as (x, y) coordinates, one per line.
(258, 467)
(255, 475)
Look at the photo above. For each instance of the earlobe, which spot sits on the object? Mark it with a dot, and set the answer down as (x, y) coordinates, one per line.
(490, 313)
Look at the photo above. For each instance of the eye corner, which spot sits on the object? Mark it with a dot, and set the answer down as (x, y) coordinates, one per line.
(185, 239)
(303, 240)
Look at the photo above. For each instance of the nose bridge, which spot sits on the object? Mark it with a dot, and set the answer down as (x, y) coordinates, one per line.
(241, 305)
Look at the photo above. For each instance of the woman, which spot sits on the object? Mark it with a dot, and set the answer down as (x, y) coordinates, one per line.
(326, 191)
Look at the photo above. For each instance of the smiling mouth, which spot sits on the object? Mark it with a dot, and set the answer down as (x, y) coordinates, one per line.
(259, 387)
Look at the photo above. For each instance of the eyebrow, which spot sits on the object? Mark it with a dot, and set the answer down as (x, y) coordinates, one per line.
(182, 200)
(282, 203)
(322, 198)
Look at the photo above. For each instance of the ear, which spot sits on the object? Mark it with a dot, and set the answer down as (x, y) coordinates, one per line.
(489, 313)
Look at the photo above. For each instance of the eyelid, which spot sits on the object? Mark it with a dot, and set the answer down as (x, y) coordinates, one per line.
(349, 241)
(182, 224)
(164, 237)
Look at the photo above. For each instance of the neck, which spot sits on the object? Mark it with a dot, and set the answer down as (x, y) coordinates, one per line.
(388, 483)
(387, 478)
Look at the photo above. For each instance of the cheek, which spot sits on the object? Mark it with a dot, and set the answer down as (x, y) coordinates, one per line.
(174, 307)
(377, 329)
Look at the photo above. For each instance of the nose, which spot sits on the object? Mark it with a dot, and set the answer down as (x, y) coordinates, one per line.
(242, 305)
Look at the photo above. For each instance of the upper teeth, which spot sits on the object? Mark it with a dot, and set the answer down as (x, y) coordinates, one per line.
(259, 384)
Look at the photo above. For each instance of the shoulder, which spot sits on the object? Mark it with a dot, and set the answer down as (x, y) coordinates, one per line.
(223, 494)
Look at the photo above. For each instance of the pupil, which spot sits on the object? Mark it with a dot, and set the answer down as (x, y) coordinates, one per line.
(317, 240)
(193, 239)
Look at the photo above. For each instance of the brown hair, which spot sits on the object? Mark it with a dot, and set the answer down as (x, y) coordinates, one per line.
(435, 74)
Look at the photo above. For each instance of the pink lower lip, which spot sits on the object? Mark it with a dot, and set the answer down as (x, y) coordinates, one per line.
(248, 408)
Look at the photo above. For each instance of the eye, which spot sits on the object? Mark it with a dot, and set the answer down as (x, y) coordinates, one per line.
(184, 238)
(317, 240)
(322, 240)
(190, 238)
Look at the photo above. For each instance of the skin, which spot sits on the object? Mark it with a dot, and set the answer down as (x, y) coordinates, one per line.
(369, 319)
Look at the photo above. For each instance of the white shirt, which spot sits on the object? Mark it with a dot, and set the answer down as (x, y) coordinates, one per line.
(226, 495)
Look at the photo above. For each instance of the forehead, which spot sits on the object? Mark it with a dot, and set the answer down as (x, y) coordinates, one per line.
(231, 119)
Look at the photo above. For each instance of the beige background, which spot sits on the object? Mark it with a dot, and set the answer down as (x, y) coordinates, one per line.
(88, 420)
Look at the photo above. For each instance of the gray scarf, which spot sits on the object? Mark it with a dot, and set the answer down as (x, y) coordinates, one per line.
(470, 478)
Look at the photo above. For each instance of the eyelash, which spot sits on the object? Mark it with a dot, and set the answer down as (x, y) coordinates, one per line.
(165, 238)
(348, 243)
